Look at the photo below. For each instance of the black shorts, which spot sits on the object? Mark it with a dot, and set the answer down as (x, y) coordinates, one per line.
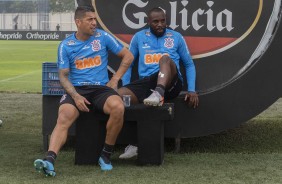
(95, 94)
(142, 87)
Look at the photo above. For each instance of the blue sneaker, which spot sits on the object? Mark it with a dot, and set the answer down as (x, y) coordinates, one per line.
(104, 166)
(45, 167)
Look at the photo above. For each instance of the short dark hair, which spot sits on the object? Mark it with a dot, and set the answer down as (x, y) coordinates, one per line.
(81, 10)
(155, 9)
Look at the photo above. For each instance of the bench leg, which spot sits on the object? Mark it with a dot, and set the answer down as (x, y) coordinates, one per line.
(177, 141)
(150, 138)
(90, 138)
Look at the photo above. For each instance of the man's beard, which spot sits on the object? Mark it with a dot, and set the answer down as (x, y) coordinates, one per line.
(157, 34)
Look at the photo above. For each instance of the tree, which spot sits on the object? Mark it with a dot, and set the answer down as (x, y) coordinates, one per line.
(18, 7)
(57, 6)
(31, 6)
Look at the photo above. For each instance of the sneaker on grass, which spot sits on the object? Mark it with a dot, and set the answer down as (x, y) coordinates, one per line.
(129, 152)
(44, 167)
(155, 99)
(104, 166)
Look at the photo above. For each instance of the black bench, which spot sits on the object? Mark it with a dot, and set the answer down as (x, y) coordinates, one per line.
(143, 125)
(91, 131)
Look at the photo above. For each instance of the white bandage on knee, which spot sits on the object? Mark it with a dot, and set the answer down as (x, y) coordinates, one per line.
(161, 74)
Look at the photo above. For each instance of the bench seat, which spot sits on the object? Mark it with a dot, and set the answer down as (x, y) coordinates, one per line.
(91, 131)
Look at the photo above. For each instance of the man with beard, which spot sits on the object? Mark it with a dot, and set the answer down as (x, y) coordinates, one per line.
(82, 63)
(159, 51)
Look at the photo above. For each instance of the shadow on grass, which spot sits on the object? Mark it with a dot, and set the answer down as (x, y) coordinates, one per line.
(255, 136)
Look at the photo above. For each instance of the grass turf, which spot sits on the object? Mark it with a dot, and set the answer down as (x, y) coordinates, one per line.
(21, 64)
(251, 153)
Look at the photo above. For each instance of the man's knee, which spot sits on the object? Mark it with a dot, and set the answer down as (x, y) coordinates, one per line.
(64, 121)
(67, 116)
(168, 65)
(165, 59)
(115, 106)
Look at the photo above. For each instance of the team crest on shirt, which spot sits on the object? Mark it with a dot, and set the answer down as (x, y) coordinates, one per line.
(96, 46)
(148, 33)
(169, 42)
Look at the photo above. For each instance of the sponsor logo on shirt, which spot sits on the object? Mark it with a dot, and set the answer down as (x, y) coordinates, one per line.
(96, 46)
(145, 45)
(88, 63)
(89, 83)
(98, 34)
(86, 47)
(169, 34)
(153, 58)
(148, 33)
(71, 42)
(169, 42)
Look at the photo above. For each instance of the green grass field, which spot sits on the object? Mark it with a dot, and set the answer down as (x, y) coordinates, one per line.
(21, 64)
(248, 154)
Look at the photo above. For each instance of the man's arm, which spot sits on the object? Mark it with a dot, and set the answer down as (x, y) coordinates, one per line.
(126, 60)
(79, 100)
(133, 48)
(191, 96)
(127, 76)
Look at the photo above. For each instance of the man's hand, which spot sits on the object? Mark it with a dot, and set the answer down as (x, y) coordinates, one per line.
(113, 83)
(81, 102)
(192, 99)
